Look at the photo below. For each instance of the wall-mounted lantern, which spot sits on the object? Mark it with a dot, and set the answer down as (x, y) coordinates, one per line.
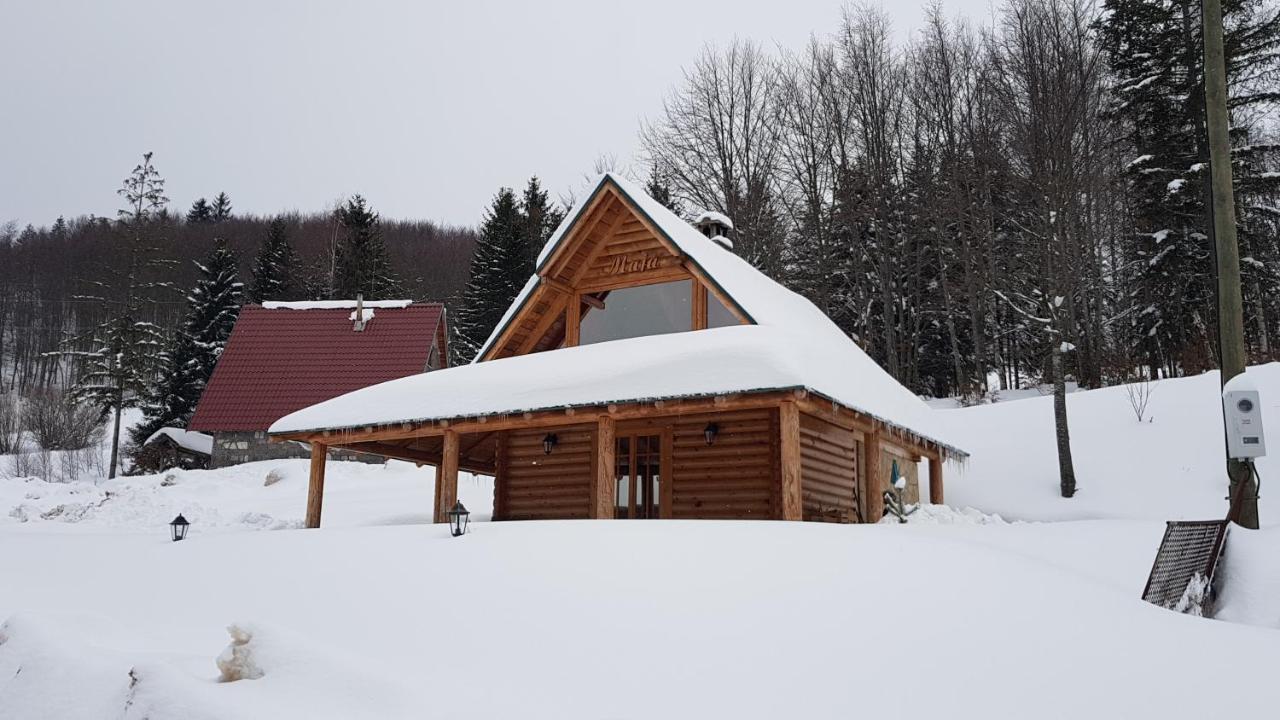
(710, 432)
(178, 528)
(458, 519)
(549, 443)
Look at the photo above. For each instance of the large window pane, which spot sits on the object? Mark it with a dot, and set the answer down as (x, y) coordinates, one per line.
(639, 311)
(717, 314)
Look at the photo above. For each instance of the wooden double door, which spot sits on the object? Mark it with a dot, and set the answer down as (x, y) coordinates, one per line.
(639, 477)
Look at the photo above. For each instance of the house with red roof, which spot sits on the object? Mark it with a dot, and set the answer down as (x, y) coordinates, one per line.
(284, 356)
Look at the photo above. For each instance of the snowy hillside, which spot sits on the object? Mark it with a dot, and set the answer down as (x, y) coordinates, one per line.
(379, 614)
(1168, 467)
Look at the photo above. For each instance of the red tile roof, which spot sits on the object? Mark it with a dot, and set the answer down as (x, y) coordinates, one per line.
(280, 360)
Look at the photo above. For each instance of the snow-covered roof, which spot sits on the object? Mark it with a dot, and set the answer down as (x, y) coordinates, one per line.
(715, 217)
(186, 439)
(791, 345)
(333, 304)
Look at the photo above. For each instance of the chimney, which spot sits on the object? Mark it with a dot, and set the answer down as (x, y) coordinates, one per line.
(716, 226)
(358, 315)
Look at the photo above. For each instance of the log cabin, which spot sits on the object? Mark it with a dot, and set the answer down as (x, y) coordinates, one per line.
(646, 371)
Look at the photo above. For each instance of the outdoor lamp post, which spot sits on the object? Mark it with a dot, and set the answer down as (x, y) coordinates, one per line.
(710, 432)
(178, 528)
(549, 442)
(458, 518)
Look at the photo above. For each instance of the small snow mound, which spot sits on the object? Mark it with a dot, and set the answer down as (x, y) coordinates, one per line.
(946, 515)
(238, 660)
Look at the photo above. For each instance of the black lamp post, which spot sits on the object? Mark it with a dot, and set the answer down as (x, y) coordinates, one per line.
(458, 519)
(710, 432)
(178, 528)
(549, 442)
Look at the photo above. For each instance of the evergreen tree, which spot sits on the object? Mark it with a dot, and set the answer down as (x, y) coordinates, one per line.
(361, 263)
(59, 230)
(539, 220)
(499, 269)
(212, 308)
(1154, 51)
(123, 351)
(220, 211)
(273, 271)
(200, 212)
(658, 188)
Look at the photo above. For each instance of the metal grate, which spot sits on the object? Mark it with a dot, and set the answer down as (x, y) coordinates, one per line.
(1189, 548)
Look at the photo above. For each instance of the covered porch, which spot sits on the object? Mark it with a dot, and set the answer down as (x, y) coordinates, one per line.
(787, 454)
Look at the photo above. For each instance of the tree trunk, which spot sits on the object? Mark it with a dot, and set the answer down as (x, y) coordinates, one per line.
(115, 437)
(1066, 469)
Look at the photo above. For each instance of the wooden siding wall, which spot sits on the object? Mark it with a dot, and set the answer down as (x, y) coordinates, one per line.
(730, 479)
(828, 470)
(536, 486)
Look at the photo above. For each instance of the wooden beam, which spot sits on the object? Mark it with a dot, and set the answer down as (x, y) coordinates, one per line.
(935, 480)
(447, 477)
(874, 485)
(666, 464)
(789, 449)
(573, 321)
(315, 488)
(603, 485)
(549, 317)
(500, 478)
(699, 305)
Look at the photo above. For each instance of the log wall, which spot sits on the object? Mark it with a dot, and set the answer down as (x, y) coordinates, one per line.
(828, 470)
(730, 479)
(537, 486)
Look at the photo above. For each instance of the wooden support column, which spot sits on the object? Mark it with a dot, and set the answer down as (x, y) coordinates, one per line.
(602, 485)
(873, 489)
(500, 477)
(447, 477)
(572, 320)
(315, 489)
(666, 460)
(935, 479)
(792, 506)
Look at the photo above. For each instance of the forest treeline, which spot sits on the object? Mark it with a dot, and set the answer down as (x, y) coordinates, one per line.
(973, 201)
(55, 281)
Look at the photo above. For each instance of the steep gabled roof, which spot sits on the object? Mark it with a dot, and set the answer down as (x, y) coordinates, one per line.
(790, 344)
(288, 356)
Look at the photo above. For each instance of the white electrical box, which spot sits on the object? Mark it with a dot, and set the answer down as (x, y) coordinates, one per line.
(1242, 410)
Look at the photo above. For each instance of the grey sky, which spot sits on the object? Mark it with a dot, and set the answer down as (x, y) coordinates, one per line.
(426, 108)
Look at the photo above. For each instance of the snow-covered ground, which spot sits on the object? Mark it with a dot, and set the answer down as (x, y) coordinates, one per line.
(959, 614)
(1168, 467)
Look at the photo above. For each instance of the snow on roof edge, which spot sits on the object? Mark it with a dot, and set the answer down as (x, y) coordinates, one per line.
(333, 304)
(186, 439)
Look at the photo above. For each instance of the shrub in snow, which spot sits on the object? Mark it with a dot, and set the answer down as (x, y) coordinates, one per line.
(1195, 599)
(237, 661)
(56, 423)
(169, 480)
(10, 424)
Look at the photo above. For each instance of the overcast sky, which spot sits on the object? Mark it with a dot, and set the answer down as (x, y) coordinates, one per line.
(424, 107)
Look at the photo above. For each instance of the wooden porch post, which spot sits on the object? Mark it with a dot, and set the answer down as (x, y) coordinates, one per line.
(602, 486)
(789, 449)
(873, 497)
(447, 477)
(315, 489)
(935, 479)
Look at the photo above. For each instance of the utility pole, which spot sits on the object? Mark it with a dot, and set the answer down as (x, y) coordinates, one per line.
(1230, 305)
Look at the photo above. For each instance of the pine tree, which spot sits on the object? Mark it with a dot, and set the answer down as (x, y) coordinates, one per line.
(274, 269)
(200, 212)
(539, 220)
(658, 188)
(499, 269)
(361, 263)
(1154, 51)
(220, 211)
(59, 230)
(212, 308)
(124, 350)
